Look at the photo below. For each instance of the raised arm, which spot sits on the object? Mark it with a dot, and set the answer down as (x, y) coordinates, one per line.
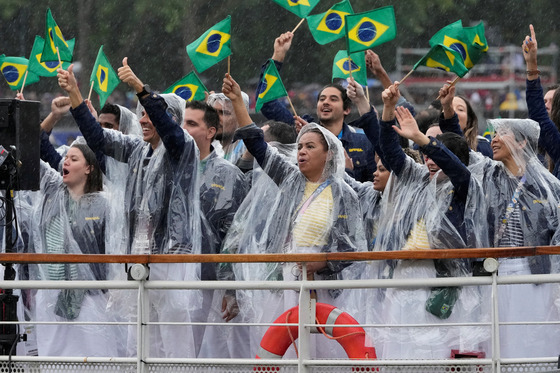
(275, 109)
(550, 136)
(388, 138)
(448, 119)
(170, 132)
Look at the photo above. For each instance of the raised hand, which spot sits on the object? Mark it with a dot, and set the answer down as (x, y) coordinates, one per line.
(356, 94)
(66, 79)
(408, 127)
(446, 95)
(126, 75)
(282, 45)
(530, 47)
(60, 106)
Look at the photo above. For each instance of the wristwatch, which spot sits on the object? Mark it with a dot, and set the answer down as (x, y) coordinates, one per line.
(145, 91)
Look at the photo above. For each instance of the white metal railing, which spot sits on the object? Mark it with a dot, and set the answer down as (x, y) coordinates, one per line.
(304, 363)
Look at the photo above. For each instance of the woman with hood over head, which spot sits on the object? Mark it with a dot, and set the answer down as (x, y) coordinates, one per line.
(522, 198)
(314, 211)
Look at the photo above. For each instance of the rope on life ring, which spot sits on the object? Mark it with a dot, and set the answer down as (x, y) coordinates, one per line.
(278, 339)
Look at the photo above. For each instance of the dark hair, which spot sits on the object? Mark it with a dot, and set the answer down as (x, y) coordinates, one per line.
(456, 144)
(471, 129)
(555, 108)
(426, 118)
(346, 102)
(321, 136)
(211, 117)
(94, 181)
(111, 109)
(279, 131)
(436, 104)
(553, 87)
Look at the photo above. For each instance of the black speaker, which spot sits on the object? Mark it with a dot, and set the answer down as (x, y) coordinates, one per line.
(19, 134)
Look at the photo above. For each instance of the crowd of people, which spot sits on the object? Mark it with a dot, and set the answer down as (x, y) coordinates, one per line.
(196, 177)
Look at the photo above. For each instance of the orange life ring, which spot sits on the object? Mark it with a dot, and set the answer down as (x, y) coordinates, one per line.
(277, 339)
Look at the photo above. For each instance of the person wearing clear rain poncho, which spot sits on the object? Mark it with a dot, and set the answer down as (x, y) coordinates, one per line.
(314, 211)
(437, 205)
(162, 201)
(72, 219)
(523, 200)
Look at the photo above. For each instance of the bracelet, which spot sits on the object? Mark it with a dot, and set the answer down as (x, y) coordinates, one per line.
(533, 72)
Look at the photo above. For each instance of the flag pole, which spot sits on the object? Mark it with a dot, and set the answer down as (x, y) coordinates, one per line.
(451, 85)
(24, 79)
(228, 64)
(350, 65)
(292, 105)
(59, 60)
(406, 76)
(299, 24)
(367, 90)
(90, 89)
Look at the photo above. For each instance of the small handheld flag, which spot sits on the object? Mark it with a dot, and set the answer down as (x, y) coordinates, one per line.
(443, 58)
(212, 47)
(330, 26)
(103, 78)
(47, 68)
(190, 88)
(55, 40)
(469, 42)
(270, 87)
(368, 29)
(14, 70)
(301, 8)
(356, 62)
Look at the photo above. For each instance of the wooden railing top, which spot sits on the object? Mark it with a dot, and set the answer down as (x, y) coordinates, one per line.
(261, 258)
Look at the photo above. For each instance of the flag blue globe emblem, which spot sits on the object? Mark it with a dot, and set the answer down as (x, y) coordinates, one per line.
(333, 21)
(349, 65)
(184, 92)
(102, 76)
(213, 43)
(458, 47)
(264, 84)
(51, 64)
(11, 74)
(367, 32)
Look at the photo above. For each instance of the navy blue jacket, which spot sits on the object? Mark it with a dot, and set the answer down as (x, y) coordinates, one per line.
(452, 125)
(549, 138)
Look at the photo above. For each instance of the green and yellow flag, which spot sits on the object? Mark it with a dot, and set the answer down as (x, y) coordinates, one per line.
(54, 39)
(301, 8)
(342, 65)
(14, 69)
(270, 87)
(329, 26)
(212, 47)
(443, 58)
(190, 88)
(103, 77)
(368, 29)
(47, 68)
(477, 44)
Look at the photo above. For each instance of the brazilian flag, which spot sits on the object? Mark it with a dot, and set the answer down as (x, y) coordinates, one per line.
(329, 26)
(476, 42)
(301, 8)
(270, 87)
(54, 39)
(103, 77)
(368, 29)
(190, 88)
(343, 64)
(444, 58)
(453, 36)
(47, 68)
(212, 47)
(14, 70)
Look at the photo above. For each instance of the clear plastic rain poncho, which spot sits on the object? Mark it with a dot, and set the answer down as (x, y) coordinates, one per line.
(62, 225)
(163, 213)
(419, 213)
(523, 201)
(282, 227)
(223, 144)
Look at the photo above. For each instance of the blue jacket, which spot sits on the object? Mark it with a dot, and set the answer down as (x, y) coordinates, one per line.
(356, 145)
(549, 138)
